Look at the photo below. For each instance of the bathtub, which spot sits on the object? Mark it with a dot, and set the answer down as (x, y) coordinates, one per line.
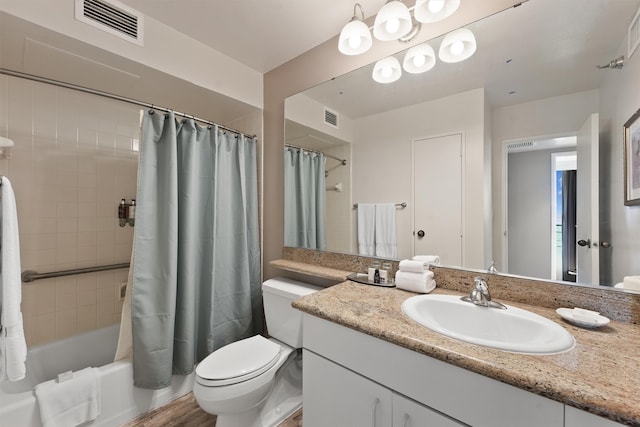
(121, 401)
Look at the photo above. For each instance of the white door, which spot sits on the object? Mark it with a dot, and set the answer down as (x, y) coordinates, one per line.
(587, 203)
(437, 198)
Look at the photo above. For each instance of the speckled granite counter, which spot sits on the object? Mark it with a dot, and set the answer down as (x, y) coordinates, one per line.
(600, 375)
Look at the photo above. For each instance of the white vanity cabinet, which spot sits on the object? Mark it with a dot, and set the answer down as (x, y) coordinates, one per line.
(576, 418)
(352, 379)
(335, 396)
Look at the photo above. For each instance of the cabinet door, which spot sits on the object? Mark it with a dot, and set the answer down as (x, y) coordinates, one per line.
(408, 413)
(337, 397)
(576, 418)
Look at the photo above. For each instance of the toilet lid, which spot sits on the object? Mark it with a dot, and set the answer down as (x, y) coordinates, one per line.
(238, 361)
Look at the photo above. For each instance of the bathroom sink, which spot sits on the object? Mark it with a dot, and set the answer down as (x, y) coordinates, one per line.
(511, 329)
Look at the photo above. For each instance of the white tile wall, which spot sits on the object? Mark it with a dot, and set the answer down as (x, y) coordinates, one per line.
(73, 160)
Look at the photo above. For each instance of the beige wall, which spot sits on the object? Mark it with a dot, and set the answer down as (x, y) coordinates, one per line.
(316, 66)
(220, 73)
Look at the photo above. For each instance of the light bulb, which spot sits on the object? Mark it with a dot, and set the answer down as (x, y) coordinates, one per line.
(435, 6)
(419, 60)
(457, 47)
(386, 72)
(354, 42)
(392, 25)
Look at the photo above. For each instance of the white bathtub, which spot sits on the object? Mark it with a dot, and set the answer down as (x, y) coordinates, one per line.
(121, 401)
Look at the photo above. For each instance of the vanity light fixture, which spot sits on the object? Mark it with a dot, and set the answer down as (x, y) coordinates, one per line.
(355, 37)
(429, 11)
(392, 21)
(387, 70)
(419, 59)
(457, 46)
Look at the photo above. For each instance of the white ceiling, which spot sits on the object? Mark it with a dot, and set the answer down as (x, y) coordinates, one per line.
(553, 46)
(262, 34)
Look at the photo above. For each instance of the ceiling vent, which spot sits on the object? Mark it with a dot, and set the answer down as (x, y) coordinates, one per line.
(113, 17)
(514, 147)
(330, 117)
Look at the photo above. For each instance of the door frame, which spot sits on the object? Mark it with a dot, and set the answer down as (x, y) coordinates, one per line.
(504, 188)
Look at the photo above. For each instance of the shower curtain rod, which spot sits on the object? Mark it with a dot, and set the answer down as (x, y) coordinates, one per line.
(116, 97)
(342, 161)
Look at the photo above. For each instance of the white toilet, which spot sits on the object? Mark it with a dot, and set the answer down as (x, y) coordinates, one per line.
(257, 382)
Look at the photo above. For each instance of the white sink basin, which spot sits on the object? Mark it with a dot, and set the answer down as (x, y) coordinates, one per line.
(513, 329)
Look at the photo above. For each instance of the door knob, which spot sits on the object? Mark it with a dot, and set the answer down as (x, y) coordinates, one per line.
(586, 243)
(420, 233)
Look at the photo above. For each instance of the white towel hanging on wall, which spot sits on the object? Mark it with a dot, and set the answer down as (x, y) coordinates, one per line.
(13, 347)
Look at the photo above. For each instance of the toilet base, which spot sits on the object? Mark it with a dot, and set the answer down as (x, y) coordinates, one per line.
(273, 401)
(282, 401)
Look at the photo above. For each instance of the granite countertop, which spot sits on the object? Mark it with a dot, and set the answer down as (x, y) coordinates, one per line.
(600, 375)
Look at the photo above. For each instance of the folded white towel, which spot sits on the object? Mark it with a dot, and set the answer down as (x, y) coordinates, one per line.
(70, 403)
(631, 282)
(415, 282)
(14, 347)
(411, 265)
(428, 259)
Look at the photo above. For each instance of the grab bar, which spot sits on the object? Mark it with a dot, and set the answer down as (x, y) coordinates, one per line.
(31, 275)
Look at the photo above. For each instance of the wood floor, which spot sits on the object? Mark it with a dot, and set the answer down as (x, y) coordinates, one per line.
(185, 412)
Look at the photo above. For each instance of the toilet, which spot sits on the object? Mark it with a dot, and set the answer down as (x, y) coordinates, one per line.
(257, 381)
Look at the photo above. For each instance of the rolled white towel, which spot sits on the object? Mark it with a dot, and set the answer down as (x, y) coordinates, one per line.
(412, 266)
(416, 282)
(631, 282)
(428, 259)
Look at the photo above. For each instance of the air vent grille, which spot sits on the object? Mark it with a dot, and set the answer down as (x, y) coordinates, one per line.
(519, 146)
(111, 16)
(331, 117)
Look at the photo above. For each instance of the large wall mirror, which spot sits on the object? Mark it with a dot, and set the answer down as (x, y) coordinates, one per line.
(510, 156)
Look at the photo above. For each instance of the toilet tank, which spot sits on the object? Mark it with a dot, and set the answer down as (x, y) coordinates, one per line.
(284, 322)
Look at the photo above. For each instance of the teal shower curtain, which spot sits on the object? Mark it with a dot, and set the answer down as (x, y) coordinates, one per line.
(304, 199)
(196, 265)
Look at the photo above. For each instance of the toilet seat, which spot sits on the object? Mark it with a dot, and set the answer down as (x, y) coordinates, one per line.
(237, 362)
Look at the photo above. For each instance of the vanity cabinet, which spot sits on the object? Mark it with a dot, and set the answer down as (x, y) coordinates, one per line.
(354, 379)
(576, 418)
(336, 396)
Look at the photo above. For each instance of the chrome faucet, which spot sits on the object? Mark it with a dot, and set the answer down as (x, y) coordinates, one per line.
(481, 296)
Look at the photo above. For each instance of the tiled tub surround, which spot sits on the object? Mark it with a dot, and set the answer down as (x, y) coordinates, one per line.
(75, 157)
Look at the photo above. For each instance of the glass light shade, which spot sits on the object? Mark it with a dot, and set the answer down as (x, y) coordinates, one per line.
(419, 59)
(428, 11)
(387, 70)
(355, 38)
(392, 21)
(457, 46)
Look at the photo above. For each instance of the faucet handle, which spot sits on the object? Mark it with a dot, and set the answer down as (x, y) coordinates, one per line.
(481, 287)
